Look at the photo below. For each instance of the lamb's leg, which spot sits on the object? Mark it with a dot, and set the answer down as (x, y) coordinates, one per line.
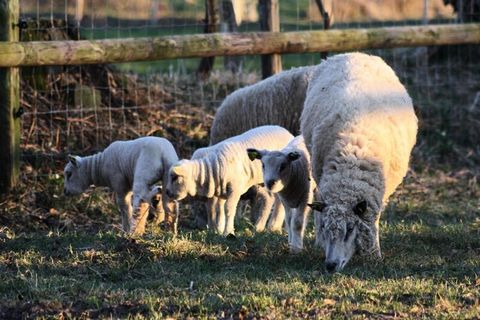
(288, 221)
(231, 209)
(211, 206)
(158, 209)
(262, 207)
(141, 200)
(171, 209)
(277, 217)
(298, 223)
(124, 203)
(220, 215)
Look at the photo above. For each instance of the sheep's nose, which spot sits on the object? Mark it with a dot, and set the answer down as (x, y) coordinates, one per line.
(331, 266)
(270, 184)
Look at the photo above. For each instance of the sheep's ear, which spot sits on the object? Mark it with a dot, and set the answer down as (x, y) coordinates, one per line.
(360, 208)
(178, 170)
(292, 156)
(317, 205)
(74, 160)
(254, 154)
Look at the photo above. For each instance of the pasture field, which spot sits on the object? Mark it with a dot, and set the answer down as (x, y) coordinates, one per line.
(73, 262)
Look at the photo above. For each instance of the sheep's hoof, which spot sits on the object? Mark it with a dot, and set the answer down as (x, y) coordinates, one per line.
(231, 236)
(295, 250)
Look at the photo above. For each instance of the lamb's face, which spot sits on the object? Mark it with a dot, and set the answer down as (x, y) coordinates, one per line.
(276, 167)
(342, 231)
(178, 182)
(75, 179)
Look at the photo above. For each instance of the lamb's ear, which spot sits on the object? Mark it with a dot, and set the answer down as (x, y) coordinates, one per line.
(178, 170)
(360, 208)
(292, 156)
(317, 205)
(254, 154)
(74, 160)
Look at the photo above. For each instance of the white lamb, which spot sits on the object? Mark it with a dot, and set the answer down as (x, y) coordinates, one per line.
(126, 167)
(224, 174)
(360, 127)
(287, 172)
(277, 100)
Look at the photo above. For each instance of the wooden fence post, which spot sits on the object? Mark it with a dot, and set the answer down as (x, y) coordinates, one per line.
(229, 24)
(270, 21)
(9, 101)
(326, 22)
(211, 22)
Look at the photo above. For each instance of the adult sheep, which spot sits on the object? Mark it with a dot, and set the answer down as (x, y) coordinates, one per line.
(360, 127)
(277, 100)
(130, 169)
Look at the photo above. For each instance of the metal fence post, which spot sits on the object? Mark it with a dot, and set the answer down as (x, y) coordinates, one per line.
(10, 111)
(270, 21)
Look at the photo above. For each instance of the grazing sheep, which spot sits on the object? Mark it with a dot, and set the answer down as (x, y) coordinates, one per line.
(261, 202)
(224, 174)
(360, 127)
(126, 167)
(287, 172)
(277, 100)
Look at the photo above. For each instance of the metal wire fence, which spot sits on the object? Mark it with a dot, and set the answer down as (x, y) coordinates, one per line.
(82, 109)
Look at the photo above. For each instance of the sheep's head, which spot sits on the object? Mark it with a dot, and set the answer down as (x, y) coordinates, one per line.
(179, 184)
(343, 230)
(76, 181)
(276, 167)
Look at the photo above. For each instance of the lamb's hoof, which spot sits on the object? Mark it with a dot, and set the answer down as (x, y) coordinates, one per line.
(231, 236)
(295, 250)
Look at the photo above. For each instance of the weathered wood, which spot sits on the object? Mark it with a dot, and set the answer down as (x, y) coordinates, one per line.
(9, 101)
(270, 21)
(326, 21)
(211, 22)
(222, 44)
(229, 24)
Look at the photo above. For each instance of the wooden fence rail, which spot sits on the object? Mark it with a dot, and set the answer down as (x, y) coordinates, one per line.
(16, 54)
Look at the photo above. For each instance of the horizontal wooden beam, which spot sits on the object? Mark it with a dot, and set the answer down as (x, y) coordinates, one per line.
(38, 53)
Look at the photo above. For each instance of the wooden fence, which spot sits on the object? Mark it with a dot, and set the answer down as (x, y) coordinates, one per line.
(14, 54)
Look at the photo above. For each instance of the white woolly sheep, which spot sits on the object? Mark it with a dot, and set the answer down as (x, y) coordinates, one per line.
(287, 172)
(261, 202)
(127, 167)
(277, 100)
(224, 174)
(360, 127)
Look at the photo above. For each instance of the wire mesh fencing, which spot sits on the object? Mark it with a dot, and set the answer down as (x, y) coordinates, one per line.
(81, 109)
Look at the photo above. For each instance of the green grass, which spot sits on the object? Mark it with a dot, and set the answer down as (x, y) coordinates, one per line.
(430, 237)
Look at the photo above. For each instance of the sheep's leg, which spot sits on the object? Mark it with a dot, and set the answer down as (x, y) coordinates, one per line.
(212, 213)
(171, 208)
(263, 205)
(124, 204)
(277, 217)
(288, 222)
(298, 223)
(141, 200)
(231, 208)
(158, 209)
(220, 215)
(199, 210)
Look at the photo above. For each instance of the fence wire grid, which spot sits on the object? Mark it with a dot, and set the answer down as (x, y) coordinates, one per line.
(82, 109)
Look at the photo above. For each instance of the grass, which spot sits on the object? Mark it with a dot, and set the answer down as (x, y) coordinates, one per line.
(431, 268)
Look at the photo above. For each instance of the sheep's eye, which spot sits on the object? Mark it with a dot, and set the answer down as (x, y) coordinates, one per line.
(69, 175)
(174, 178)
(283, 166)
(349, 232)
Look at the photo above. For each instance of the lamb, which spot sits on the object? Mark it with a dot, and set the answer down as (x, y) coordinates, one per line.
(359, 127)
(277, 100)
(261, 201)
(287, 172)
(224, 174)
(126, 167)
